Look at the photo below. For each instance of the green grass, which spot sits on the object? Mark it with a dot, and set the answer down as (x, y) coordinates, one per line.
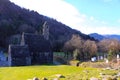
(70, 72)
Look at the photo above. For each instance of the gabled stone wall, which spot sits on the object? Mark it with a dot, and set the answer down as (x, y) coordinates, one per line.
(19, 55)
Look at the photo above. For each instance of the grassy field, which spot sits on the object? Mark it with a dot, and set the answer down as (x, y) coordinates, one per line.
(49, 71)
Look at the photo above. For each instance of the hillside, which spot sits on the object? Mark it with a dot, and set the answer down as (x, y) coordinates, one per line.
(112, 36)
(97, 36)
(15, 20)
(101, 37)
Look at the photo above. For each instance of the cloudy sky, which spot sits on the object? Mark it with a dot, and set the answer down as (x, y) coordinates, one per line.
(88, 16)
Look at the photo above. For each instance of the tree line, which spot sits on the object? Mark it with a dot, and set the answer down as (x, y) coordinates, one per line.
(85, 49)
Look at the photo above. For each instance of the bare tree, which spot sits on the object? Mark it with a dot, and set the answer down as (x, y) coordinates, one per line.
(103, 46)
(74, 43)
(114, 46)
(110, 46)
(89, 49)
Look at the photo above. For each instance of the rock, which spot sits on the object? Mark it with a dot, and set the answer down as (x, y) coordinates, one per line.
(60, 76)
(86, 71)
(29, 79)
(118, 75)
(110, 78)
(94, 78)
(101, 74)
(108, 68)
(56, 79)
(115, 78)
(35, 78)
(44, 78)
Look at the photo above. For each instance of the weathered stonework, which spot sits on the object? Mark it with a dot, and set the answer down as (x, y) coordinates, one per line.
(33, 49)
(19, 55)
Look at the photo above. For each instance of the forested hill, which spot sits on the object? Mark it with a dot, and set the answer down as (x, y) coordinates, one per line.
(15, 20)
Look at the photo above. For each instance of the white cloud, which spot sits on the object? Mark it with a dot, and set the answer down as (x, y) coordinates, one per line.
(68, 14)
(58, 9)
(91, 18)
(101, 30)
(103, 22)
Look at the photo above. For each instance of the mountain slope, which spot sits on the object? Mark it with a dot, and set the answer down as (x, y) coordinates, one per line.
(112, 36)
(101, 37)
(15, 20)
(97, 36)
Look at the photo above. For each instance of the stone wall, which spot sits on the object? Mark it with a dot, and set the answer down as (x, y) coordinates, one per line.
(42, 58)
(19, 55)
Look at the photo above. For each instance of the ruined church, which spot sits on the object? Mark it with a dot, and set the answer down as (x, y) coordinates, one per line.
(33, 49)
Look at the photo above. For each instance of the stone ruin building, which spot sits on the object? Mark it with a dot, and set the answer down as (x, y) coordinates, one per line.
(33, 49)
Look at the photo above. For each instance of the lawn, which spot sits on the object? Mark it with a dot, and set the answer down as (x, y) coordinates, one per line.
(50, 71)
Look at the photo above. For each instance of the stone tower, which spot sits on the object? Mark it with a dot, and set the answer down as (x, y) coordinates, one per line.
(9, 56)
(46, 30)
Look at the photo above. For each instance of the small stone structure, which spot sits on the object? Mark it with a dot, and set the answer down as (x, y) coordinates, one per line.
(2, 56)
(19, 55)
(3, 59)
(33, 49)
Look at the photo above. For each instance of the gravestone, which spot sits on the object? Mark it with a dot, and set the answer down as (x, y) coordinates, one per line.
(93, 59)
(118, 56)
(101, 58)
(107, 61)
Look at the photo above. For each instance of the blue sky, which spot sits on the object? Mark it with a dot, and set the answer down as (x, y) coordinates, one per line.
(88, 16)
(107, 10)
